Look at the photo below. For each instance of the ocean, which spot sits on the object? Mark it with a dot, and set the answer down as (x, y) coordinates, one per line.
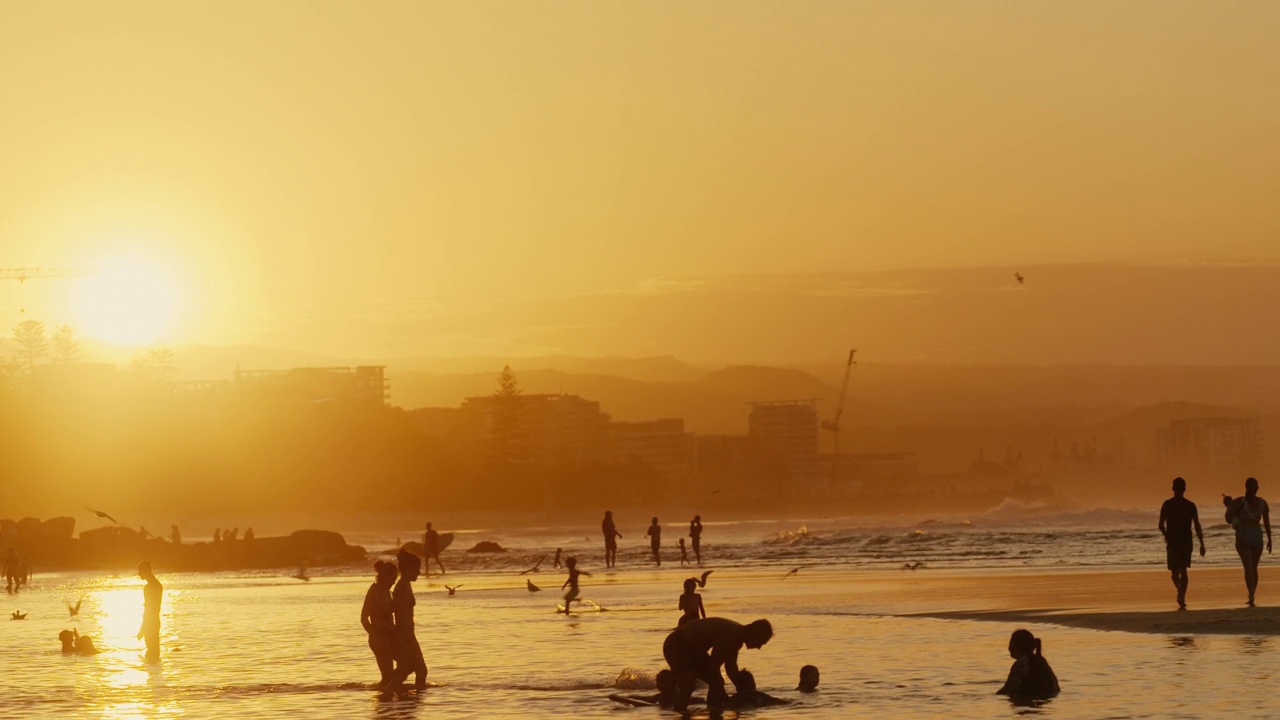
(265, 645)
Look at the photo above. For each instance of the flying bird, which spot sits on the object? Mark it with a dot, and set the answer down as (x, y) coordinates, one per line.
(75, 609)
(703, 581)
(452, 590)
(18, 616)
(793, 571)
(101, 514)
(912, 566)
(1019, 278)
(532, 588)
(535, 566)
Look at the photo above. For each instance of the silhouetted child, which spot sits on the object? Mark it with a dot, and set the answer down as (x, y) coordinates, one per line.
(557, 561)
(73, 643)
(684, 555)
(1030, 678)
(572, 582)
(746, 695)
(691, 603)
(808, 679)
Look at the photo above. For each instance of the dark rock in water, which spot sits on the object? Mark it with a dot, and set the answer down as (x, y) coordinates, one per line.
(59, 528)
(319, 542)
(29, 528)
(487, 546)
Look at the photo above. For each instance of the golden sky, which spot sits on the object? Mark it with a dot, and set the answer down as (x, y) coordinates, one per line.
(287, 162)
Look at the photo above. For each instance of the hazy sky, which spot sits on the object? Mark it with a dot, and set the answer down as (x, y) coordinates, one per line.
(294, 161)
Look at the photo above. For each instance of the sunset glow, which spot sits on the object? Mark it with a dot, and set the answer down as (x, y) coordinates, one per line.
(130, 299)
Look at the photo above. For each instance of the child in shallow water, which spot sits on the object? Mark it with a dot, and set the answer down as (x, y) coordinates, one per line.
(73, 643)
(1030, 678)
(808, 679)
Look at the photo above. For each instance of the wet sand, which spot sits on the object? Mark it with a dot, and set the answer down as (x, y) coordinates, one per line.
(1139, 601)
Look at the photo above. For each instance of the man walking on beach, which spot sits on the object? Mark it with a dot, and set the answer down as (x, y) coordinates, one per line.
(1177, 516)
(431, 549)
(611, 536)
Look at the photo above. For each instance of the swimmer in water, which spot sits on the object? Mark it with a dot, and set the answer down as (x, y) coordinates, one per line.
(1030, 677)
(808, 679)
(73, 643)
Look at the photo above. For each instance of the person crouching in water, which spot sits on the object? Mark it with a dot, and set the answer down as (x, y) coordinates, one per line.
(691, 603)
(408, 652)
(1030, 678)
(572, 582)
(377, 620)
(73, 643)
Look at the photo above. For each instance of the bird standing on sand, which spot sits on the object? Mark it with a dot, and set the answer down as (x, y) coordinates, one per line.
(101, 514)
(792, 572)
(75, 609)
(531, 587)
(452, 590)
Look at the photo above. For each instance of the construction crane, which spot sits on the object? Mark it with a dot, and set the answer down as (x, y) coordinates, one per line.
(22, 275)
(834, 423)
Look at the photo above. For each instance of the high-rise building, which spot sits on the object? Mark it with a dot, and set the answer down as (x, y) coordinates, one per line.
(1214, 445)
(784, 444)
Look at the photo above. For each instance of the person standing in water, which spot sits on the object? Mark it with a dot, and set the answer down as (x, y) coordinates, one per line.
(407, 650)
(377, 619)
(431, 549)
(695, 535)
(1177, 516)
(611, 536)
(655, 541)
(1249, 515)
(572, 582)
(151, 596)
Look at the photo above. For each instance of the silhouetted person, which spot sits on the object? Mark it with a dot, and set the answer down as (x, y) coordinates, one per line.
(747, 695)
(572, 582)
(557, 561)
(235, 533)
(217, 536)
(143, 533)
(1177, 516)
(1030, 677)
(73, 643)
(684, 556)
(695, 537)
(151, 596)
(611, 536)
(377, 619)
(175, 536)
(12, 571)
(248, 535)
(408, 652)
(655, 540)
(808, 679)
(691, 603)
(1249, 515)
(431, 549)
(696, 651)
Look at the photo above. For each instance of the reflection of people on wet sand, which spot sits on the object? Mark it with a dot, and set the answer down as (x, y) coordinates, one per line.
(431, 550)
(696, 650)
(408, 652)
(655, 540)
(151, 596)
(808, 679)
(1249, 515)
(1177, 516)
(695, 535)
(1030, 677)
(611, 536)
(691, 603)
(73, 643)
(572, 582)
(377, 619)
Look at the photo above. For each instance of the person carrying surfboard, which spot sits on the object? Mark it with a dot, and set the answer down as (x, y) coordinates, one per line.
(431, 549)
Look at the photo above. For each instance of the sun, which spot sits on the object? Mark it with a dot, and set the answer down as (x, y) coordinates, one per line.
(130, 299)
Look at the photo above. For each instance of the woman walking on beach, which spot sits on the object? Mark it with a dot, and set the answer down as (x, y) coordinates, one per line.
(408, 652)
(376, 618)
(1249, 515)
(1030, 678)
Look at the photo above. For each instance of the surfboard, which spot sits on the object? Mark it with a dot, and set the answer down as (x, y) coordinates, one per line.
(445, 540)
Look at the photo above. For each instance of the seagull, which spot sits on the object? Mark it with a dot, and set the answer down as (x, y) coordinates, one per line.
(18, 616)
(535, 566)
(715, 492)
(1019, 278)
(792, 572)
(703, 582)
(75, 609)
(452, 590)
(532, 588)
(912, 566)
(101, 514)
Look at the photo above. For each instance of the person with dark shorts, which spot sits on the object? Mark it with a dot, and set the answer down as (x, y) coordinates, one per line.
(1178, 516)
(696, 650)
